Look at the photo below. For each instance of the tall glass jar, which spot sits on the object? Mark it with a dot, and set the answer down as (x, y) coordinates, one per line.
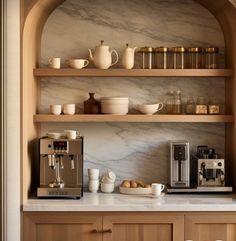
(194, 58)
(147, 57)
(162, 58)
(211, 56)
(179, 57)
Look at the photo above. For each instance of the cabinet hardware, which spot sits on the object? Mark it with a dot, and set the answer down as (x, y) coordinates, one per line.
(102, 230)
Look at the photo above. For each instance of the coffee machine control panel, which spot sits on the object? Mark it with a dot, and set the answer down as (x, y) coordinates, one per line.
(59, 146)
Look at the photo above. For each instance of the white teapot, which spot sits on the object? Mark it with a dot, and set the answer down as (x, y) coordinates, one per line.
(102, 56)
(128, 57)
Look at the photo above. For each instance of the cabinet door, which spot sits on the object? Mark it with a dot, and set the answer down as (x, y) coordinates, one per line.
(143, 227)
(61, 227)
(210, 227)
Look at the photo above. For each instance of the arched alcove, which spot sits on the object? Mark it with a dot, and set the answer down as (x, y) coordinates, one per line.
(36, 14)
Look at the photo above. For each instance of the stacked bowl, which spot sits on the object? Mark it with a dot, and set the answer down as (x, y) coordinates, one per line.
(108, 182)
(115, 105)
(93, 184)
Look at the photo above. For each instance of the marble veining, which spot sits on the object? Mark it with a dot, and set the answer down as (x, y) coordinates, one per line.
(132, 150)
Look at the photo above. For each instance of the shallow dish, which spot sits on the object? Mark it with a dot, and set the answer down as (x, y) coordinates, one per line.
(56, 135)
(136, 191)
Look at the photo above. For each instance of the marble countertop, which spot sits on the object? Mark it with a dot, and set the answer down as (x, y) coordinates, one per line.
(115, 202)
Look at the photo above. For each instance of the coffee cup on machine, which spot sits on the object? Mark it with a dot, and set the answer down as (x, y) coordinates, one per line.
(71, 134)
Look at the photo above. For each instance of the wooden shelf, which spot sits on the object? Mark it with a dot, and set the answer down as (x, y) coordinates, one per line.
(47, 72)
(135, 118)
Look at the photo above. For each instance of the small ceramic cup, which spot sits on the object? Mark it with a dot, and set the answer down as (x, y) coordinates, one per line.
(107, 187)
(77, 63)
(93, 174)
(71, 134)
(55, 109)
(69, 109)
(157, 188)
(93, 185)
(54, 63)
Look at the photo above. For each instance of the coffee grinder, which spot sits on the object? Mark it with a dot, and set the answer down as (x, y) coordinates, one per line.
(61, 168)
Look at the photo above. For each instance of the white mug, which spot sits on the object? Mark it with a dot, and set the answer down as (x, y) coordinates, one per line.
(77, 63)
(69, 109)
(157, 188)
(55, 109)
(71, 134)
(54, 63)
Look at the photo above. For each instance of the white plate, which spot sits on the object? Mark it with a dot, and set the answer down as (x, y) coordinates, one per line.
(56, 135)
(136, 191)
(156, 196)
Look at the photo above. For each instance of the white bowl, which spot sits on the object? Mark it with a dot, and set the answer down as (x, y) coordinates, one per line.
(107, 187)
(56, 135)
(109, 177)
(115, 99)
(150, 109)
(115, 108)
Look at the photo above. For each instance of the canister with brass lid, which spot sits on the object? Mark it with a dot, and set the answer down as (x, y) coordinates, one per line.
(147, 57)
(179, 57)
(211, 55)
(162, 57)
(194, 57)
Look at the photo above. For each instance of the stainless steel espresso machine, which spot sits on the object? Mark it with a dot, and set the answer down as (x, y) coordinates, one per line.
(61, 168)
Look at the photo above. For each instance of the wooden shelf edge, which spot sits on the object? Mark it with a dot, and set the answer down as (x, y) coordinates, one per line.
(67, 72)
(41, 118)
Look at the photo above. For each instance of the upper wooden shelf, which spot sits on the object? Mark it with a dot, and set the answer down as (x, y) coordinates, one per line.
(134, 118)
(47, 72)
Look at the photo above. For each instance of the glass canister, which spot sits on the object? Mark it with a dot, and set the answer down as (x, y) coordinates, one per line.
(179, 57)
(211, 55)
(194, 58)
(147, 57)
(201, 106)
(214, 107)
(162, 58)
(190, 106)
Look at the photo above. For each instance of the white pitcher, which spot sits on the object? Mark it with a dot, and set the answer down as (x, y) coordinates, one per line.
(128, 57)
(102, 56)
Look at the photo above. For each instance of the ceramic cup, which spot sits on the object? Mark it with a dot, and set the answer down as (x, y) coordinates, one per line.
(69, 109)
(93, 185)
(71, 134)
(77, 63)
(93, 174)
(107, 187)
(54, 63)
(55, 109)
(157, 188)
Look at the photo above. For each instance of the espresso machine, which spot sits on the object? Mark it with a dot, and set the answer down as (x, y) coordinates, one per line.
(179, 164)
(61, 168)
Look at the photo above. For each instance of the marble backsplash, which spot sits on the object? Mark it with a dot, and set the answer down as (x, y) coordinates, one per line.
(132, 150)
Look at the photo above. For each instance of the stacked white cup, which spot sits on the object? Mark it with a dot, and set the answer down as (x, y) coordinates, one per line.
(93, 184)
(108, 182)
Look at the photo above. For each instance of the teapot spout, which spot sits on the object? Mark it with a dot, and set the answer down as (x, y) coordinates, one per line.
(90, 54)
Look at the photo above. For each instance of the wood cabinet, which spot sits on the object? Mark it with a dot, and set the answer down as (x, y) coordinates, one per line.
(210, 227)
(61, 227)
(99, 227)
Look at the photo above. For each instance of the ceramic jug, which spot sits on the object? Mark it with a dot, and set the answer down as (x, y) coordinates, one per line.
(128, 57)
(102, 56)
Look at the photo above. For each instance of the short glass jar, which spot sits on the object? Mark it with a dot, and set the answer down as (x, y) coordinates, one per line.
(214, 107)
(211, 55)
(147, 57)
(162, 58)
(201, 106)
(190, 106)
(194, 58)
(179, 57)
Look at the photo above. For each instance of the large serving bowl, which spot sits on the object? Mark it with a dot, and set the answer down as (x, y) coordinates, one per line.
(115, 105)
(150, 109)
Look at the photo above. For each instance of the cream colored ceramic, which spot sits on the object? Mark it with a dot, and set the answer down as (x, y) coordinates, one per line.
(54, 63)
(102, 56)
(77, 63)
(128, 57)
(150, 109)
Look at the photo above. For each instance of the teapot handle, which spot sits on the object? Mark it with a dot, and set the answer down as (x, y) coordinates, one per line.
(117, 57)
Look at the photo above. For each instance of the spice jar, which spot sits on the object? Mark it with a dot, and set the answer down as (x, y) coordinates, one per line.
(92, 106)
(201, 106)
(190, 106)
(179, 57)
(194, 57)
(214, 107)
(162, 58)
(147, 57)
(211, 57)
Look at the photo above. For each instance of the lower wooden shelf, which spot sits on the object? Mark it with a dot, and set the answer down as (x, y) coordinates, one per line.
(135, 118)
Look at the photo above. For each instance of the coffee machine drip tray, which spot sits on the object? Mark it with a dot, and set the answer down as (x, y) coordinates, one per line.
(200, 190)
(66, 192)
